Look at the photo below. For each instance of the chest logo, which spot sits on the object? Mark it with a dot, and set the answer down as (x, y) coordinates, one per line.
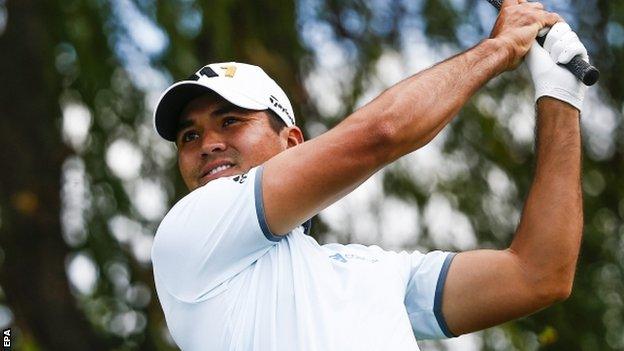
(240, 178)
(338, 257)
(349, 256)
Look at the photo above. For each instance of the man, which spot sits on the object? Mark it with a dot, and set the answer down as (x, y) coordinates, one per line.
(234, 269)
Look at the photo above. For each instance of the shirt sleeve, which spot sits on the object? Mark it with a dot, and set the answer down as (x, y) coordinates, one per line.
(211, 235)
(423, 297)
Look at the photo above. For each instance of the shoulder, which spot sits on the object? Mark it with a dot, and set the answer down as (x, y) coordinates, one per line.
(218, 190)
(205, 206)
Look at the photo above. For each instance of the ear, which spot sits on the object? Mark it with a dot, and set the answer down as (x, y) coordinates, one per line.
(294, 136)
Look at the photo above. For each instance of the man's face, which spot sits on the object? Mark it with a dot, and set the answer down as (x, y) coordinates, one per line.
(218, 139)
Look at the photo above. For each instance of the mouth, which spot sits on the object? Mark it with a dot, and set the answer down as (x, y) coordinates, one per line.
(215, 172)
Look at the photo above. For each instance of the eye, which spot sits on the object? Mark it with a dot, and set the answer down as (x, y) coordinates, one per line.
(189, 136)
(229, 120)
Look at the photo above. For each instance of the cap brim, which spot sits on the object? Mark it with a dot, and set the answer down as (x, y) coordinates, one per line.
(174, 100)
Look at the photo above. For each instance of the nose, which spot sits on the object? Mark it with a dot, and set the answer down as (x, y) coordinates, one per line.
(212, 142)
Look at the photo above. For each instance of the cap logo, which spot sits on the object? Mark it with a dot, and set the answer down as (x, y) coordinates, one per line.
(205, 71)
(277, 104)
(230, 71)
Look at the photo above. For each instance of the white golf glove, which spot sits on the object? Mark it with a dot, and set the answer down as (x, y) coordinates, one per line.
(550, 79)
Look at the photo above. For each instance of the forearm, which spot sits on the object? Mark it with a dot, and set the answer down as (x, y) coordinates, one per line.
(414, 111)
(488, 287)
(548, 238)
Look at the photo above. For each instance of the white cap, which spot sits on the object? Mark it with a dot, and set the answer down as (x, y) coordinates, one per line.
(243, 85)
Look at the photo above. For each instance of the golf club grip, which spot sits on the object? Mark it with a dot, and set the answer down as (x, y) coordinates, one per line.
(582, 70)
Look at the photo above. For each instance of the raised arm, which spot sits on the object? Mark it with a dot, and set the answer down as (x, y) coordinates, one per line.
(400, 120)
(303, 180)
(488, 287)
(485, 288)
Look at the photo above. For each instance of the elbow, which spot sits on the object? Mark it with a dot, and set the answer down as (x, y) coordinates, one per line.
(384, 120)
(559, 293)
(393, 128)
(562, 280)
(563, 291)
(554, 290)
(389, 140)
(386, 134)
(382, 140)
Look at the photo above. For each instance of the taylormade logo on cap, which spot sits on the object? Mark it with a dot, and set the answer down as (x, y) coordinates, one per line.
(243, 85)
(279, 106)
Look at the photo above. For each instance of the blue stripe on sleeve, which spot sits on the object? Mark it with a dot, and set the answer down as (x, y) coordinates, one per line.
(260, 207)
(437, 302)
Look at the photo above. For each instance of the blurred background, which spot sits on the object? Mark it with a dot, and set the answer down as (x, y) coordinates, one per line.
(86, 180)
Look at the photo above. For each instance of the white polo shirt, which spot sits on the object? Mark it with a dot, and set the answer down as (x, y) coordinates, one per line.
(226, 283)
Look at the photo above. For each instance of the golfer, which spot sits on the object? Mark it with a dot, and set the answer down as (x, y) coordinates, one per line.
(234, 268)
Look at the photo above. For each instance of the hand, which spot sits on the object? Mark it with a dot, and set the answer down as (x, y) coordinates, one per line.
(550, 79)
(517, 26)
